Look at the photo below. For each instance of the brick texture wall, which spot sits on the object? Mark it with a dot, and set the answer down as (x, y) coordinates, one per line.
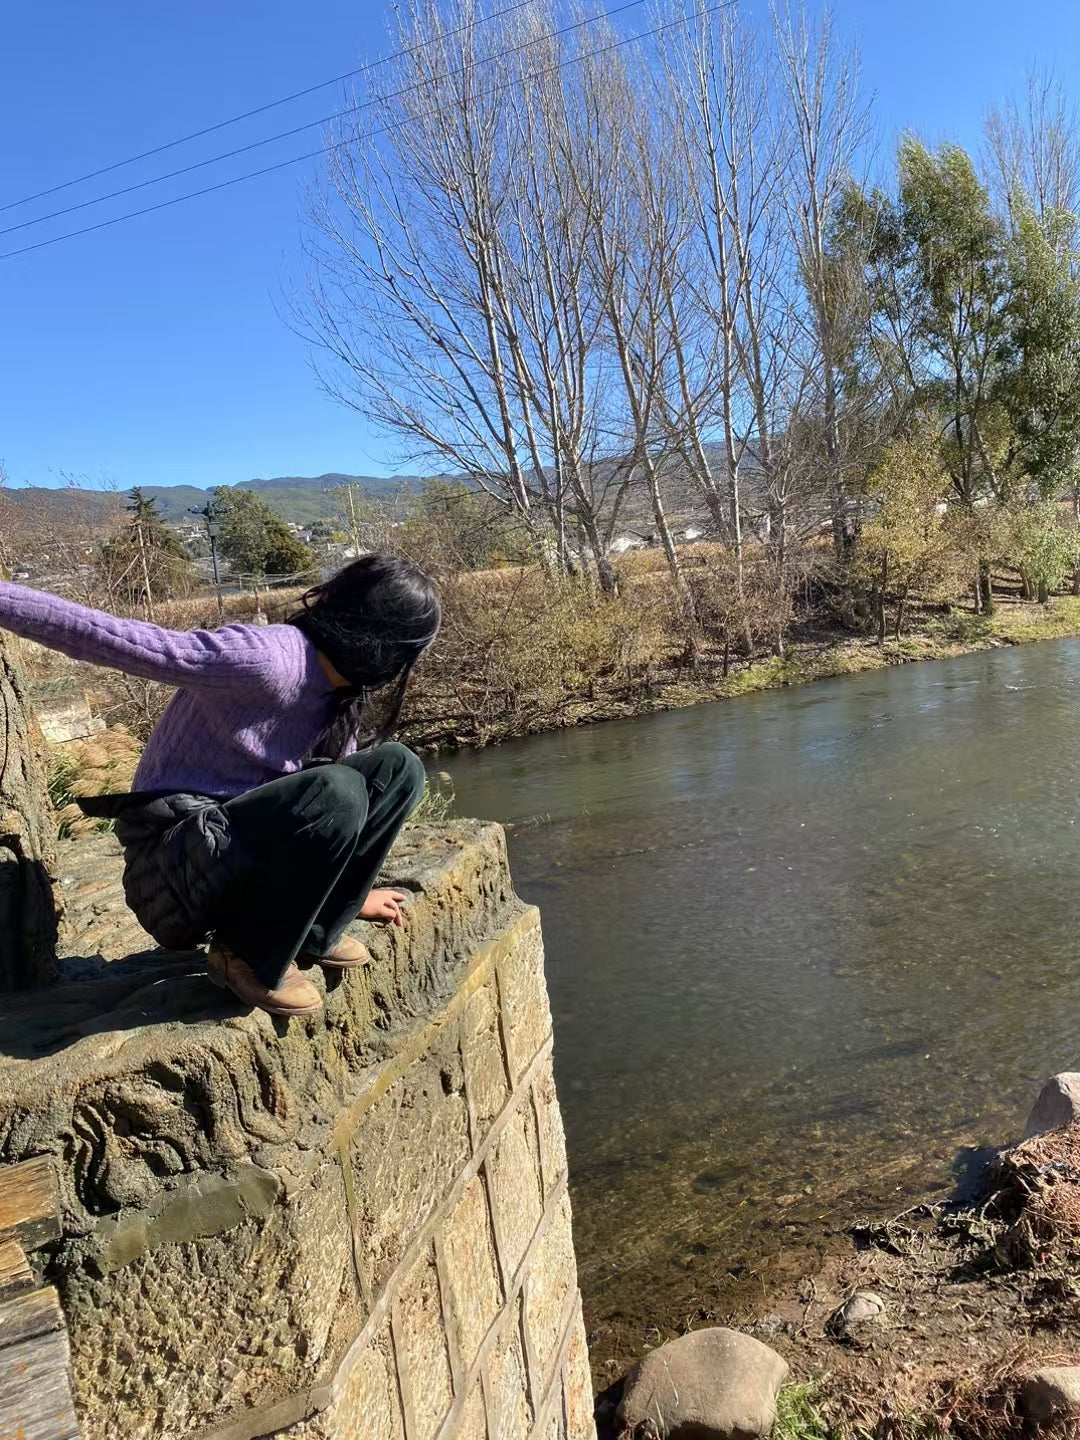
(353, 1227)
(464, 1256)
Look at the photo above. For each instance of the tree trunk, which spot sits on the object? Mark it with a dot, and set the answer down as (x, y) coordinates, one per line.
(986, 589)
(28, 909)
(901, 607)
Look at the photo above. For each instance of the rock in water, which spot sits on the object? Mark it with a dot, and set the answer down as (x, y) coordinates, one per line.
(1052, 1394)
(1057, 1106)
(709, 1385)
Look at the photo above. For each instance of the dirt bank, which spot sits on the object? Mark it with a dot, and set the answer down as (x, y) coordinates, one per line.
(976, 1291)
(813, 654)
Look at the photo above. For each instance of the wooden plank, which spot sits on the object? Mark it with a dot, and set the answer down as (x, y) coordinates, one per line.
(15, 1273)
(29, 1204)
(36, 1313)
(35, 1390)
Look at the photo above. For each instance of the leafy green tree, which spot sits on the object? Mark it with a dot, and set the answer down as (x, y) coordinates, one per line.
(941, 285)
(1046, 548)
(905, 542)
(144, 561)
(1039, 381)
(255, 537)
(976, 318)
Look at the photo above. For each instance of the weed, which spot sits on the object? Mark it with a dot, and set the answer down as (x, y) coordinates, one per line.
(436, 805)
(799, 1414)
(104, 764)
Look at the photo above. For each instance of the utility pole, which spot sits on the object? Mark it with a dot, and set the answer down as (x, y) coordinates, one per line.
(353, 525)
(213, 530)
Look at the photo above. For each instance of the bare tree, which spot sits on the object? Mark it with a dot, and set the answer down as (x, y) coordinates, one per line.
(829, 126)
(638, 225)
(723, 84)
(1032, 151)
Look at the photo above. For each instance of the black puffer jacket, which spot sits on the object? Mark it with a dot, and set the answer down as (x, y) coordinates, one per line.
(179, 860)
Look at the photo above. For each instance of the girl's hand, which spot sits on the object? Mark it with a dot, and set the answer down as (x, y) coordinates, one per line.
(384, 905)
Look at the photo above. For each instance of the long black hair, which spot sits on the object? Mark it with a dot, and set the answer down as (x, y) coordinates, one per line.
(373, 620)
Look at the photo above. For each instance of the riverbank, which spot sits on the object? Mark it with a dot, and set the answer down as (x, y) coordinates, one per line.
(812, 654)
(928, 1322)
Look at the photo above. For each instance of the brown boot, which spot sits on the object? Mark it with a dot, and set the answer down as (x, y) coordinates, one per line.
(294, 996)
(347, 954)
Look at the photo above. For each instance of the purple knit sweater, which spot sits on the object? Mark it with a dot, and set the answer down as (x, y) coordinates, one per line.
(251, 699)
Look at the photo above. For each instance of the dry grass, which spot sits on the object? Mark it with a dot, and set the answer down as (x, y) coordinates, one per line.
(102, 765)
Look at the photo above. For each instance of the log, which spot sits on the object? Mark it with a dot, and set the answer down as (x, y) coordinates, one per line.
(28, 907)
(29, 1203)
(28, 1316)
(15, 1273)
(35, 1370)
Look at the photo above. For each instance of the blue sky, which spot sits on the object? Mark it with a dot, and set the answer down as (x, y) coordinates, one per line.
(154, 352)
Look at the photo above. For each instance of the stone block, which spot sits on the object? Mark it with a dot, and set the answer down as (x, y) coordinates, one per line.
(368, 1404)
(482, 1051)
(321, 1223)
(577, 1380)
(471, 1271)
(186, 1334)
(420, 1345)
(406, 1153)
(514, 1182)
(523, 988)
(550, 1126)
(508, 1385)
(551, 1280)
(472, 1422)
(1058, 1105)
(555, 1429)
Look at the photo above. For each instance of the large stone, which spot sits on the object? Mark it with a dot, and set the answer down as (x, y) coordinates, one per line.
(1051, 1395)
(708, 1385)
(1057, 1106)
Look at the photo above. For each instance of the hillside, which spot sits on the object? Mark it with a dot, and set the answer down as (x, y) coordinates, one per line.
(299, 498)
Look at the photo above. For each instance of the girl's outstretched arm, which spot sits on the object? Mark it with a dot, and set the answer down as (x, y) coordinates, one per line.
(197, 658)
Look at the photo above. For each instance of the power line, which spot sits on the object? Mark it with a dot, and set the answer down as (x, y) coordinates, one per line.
(259, 110)
(373, 134)
(289, 134)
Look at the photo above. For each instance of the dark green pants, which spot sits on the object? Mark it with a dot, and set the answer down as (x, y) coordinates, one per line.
(307, 850)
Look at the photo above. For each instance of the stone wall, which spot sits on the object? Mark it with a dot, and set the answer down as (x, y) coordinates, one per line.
(349, 1228)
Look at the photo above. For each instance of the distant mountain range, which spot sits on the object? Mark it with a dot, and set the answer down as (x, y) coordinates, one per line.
(299, 498)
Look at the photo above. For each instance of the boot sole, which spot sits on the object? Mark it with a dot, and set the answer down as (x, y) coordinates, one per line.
(328, 963)
(286, 1012)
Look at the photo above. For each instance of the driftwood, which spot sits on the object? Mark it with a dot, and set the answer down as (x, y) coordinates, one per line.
(35, 1360)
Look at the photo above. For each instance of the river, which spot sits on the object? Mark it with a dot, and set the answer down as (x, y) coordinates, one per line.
(806, 950)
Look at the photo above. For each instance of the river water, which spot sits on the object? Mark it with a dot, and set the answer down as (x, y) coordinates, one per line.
(806, 949)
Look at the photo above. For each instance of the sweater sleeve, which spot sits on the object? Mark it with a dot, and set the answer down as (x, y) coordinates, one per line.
(206, 659)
